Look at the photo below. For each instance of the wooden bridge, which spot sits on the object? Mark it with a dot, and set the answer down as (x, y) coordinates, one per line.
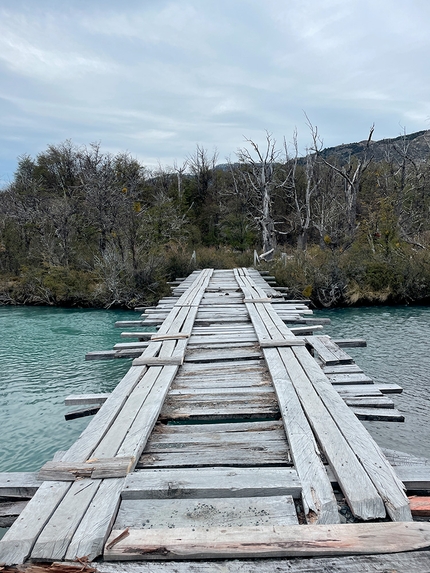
(231, 436)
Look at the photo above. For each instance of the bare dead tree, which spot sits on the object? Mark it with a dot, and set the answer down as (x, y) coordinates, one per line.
(258, 169)
(302, 194)
(351, 174)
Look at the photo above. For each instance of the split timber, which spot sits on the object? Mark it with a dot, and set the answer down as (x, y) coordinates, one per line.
(231, 436)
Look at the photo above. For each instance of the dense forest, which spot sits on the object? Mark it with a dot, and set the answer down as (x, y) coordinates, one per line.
(345, 225)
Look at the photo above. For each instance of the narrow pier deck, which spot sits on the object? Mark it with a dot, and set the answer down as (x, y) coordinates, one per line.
(232, 436)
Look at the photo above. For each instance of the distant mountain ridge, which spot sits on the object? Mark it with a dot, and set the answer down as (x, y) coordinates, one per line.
(417, 147)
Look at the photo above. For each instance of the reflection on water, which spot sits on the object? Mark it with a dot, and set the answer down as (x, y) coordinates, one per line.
(398, 344)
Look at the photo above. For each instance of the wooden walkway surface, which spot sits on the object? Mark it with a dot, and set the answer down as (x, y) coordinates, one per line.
(232, 435)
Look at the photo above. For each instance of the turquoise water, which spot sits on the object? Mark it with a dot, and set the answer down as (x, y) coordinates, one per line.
(42, 360)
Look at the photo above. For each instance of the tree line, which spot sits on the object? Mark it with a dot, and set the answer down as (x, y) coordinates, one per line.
(82, 226)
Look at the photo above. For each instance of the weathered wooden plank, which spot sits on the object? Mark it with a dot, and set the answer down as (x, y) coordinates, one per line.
(79, 399)
(140, 429)
(211, 482)
(92, 532)
(259, 454)
(357, 487)
(16, 545)
(222, 394)
(95, 469)
(82, 449)
(112, 440)
(18, 484)
(378, 414)
(276, 541)
(350, 378)
(198, 513)
(55, 537)
(228, 354)
(350, 342)
(318, 498)
(341, 369)
(9, 511)
(413, 561)
(365, 448)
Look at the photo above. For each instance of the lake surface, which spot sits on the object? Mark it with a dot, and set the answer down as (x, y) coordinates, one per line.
(42, 361)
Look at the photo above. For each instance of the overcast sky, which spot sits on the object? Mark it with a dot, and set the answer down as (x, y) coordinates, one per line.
(156, 77)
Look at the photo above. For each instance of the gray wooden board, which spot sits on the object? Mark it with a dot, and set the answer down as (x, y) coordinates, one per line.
(112, 440)
(223, 428)
(211, 512)
(350, 342)
(318, 496)
(9, 511)
(139, 431)
(211, 482)
(250, 381)
(349, 378)
(342, 356)
(345, 390)
(324, 353)
(341, 369)
(91, 533)
(221, 394)
(18, 484)
(369, 402)
(78, 399)
(221, 410)
(378, 414)
(228, 354)
(256, 442)
(414, 562)
(260, 454)
(16, 545)
(230, 366)
(54, 539)
(82, 449)
(269, 541)
(354, 481)
(231, 339)
(389, 388)
(363, 445)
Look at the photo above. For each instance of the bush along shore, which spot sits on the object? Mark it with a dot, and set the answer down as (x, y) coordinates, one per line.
(344, 226)
(329, 278)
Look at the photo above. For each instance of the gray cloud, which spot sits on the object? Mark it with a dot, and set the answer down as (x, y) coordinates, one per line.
(156, 77)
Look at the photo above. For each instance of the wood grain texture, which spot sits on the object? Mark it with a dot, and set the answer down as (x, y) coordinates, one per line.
(276, 541)
(214, 512)
(211, 482)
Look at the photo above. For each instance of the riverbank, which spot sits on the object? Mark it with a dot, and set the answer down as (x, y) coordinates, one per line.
(330, 278)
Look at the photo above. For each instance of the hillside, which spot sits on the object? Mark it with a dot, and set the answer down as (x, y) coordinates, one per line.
(417, 146)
